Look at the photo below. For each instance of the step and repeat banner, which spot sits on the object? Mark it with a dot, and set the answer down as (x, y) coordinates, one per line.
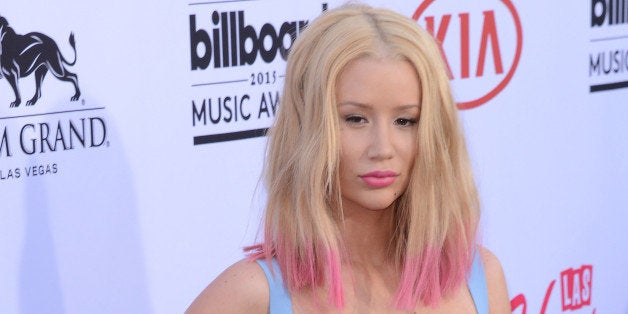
(131, 144)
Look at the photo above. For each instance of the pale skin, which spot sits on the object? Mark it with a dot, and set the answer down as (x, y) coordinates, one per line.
(378, 106)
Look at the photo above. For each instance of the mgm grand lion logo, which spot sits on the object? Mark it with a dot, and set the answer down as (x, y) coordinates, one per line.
(22, 55)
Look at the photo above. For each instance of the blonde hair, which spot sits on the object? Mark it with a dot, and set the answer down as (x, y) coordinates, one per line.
(436, 217)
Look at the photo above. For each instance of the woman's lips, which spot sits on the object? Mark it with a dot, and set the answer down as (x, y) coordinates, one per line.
(379, 179)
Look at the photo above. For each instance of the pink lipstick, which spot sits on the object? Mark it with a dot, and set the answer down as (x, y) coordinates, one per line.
(379, 179)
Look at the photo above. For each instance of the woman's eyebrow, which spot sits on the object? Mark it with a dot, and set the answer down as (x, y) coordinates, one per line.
(368, 106)
(353, 103)
(409, 106)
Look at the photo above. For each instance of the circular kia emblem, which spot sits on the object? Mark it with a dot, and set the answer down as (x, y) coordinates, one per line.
(480, 41)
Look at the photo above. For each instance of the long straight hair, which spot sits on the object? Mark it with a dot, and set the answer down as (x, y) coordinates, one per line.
(435, 218)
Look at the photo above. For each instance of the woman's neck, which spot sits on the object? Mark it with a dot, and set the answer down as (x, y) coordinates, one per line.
(367, 235)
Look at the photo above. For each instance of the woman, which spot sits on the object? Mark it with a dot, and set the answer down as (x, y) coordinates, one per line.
(371, 206)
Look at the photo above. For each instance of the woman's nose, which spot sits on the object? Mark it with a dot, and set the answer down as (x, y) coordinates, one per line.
(381, 142)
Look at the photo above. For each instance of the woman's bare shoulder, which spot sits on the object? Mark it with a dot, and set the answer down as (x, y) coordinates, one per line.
(241, 288)
(498, 299)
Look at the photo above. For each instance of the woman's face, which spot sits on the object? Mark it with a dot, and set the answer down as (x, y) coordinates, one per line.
(378, 108)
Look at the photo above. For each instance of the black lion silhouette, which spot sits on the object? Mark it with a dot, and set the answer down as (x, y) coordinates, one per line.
(21, 55)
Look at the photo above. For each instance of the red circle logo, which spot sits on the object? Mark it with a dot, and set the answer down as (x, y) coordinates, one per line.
(481, 42)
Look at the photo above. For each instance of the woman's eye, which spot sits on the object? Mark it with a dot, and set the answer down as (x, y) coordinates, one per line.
(405, 121)
(355, 119)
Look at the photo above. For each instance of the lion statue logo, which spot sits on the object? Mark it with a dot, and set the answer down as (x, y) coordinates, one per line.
(21, 55)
